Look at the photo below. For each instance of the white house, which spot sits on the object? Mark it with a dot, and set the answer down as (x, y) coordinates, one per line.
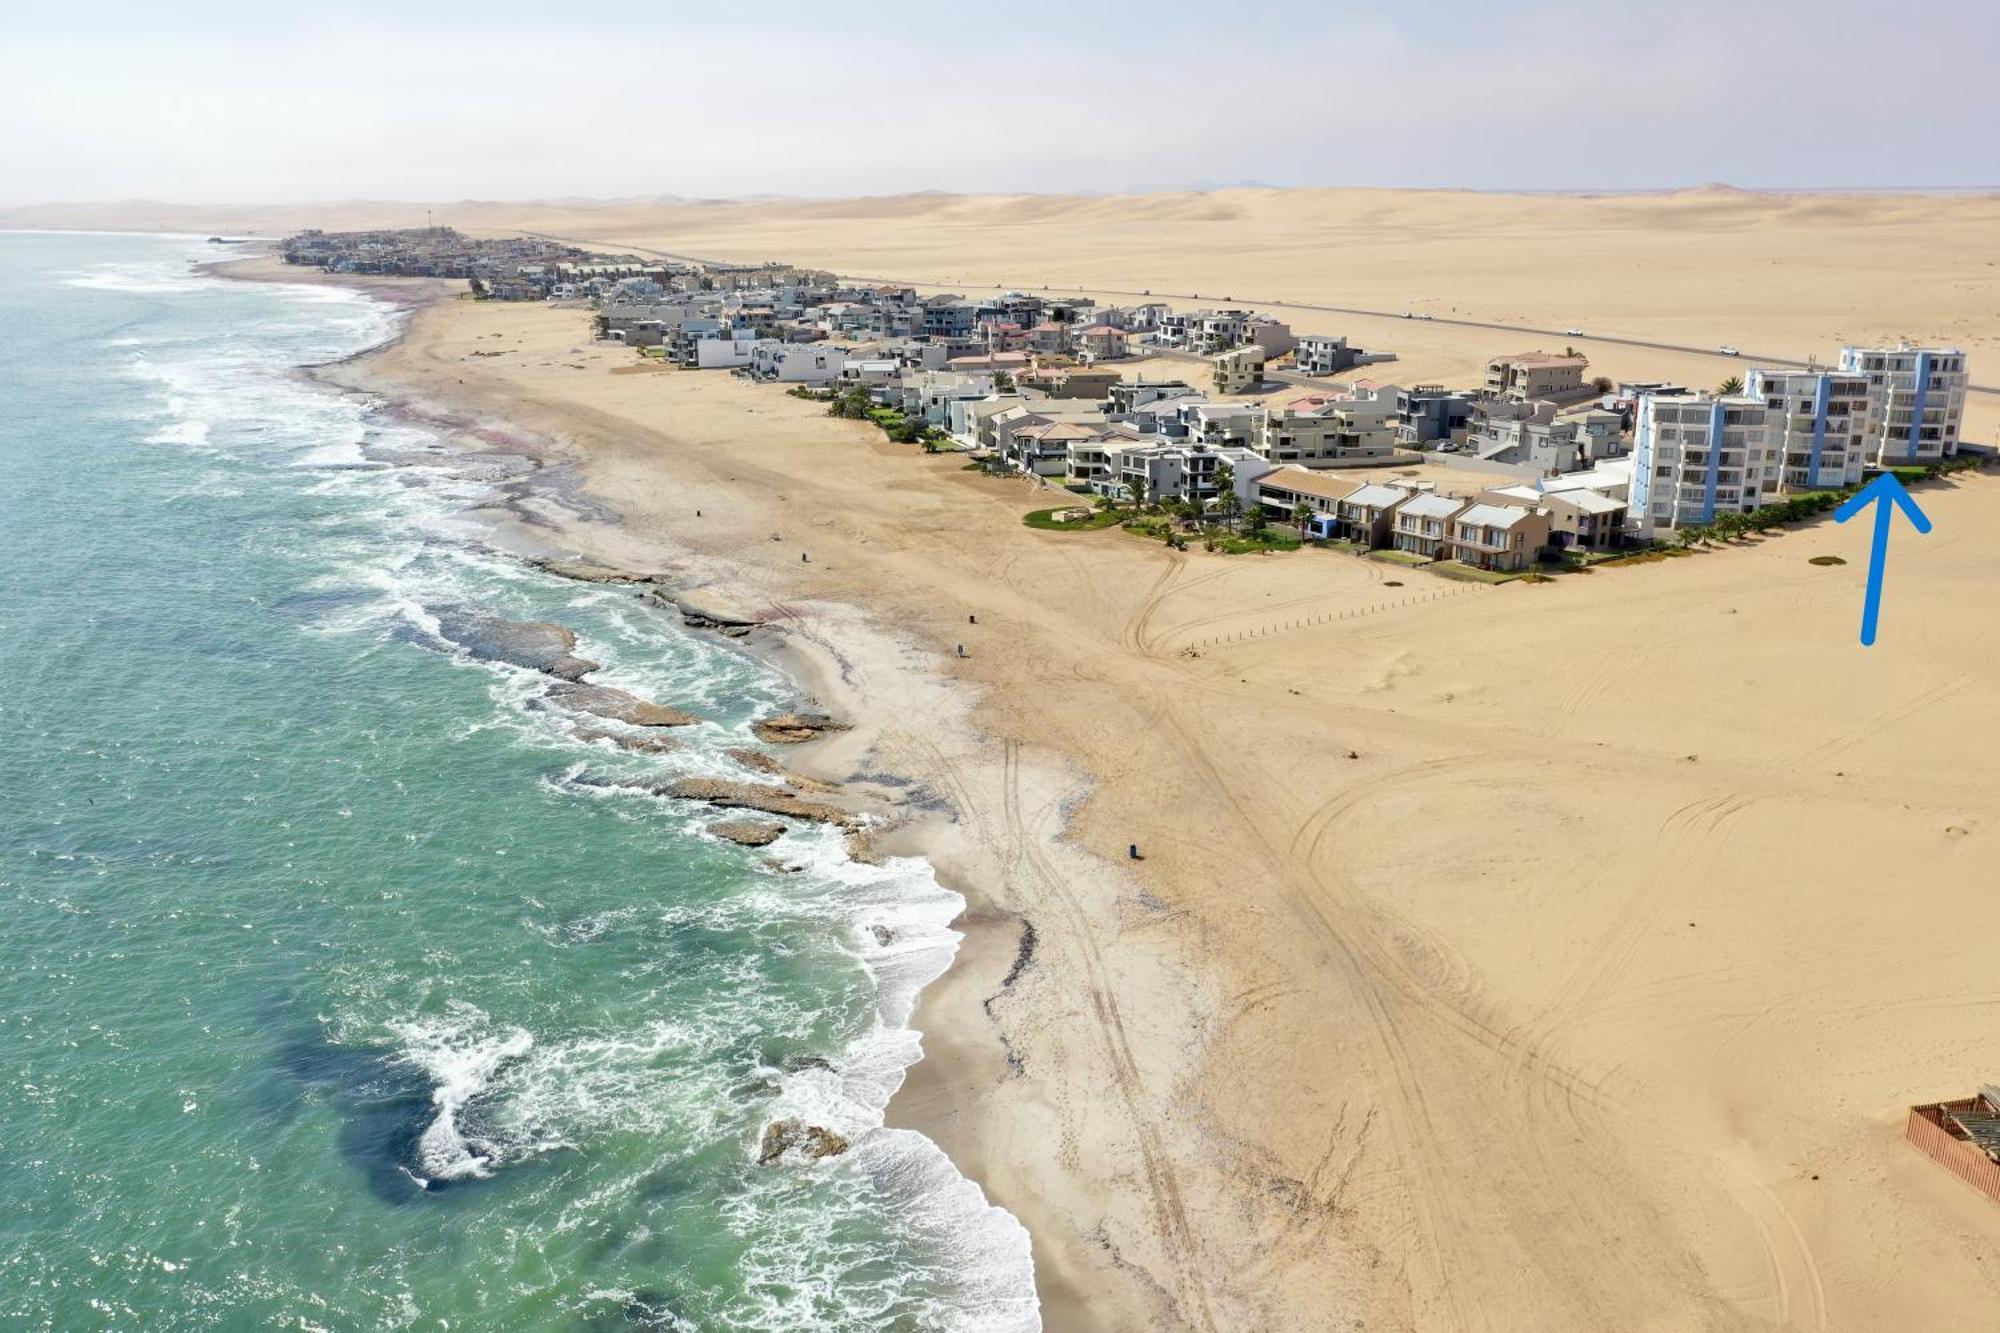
(797, 363)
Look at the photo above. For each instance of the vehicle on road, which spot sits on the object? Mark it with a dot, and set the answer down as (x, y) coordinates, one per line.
(1572, 333)
(1727, 350)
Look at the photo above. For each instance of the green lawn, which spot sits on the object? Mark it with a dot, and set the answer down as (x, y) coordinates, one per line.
(1395, 557)
(1452, 569)
(1045, 519)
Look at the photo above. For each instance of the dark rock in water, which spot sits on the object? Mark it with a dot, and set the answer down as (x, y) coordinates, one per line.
(795, 728)
(748, 832)
(795, 1063)
(884, 936)
(764, 763)
(534, 644)
(782, 1136)
(619, 706)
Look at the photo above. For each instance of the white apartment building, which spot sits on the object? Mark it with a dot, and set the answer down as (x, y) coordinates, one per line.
(1697, 457)
(1916, 402)
(1818, 427)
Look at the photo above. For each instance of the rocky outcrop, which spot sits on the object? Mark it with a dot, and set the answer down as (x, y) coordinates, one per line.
(637, 742)
(748, 832)
(764, 763)
(587, 571)
(699, 612)
(619, 706)
(534, 644)
(761, 797)
(812, 1141)
(795, 728)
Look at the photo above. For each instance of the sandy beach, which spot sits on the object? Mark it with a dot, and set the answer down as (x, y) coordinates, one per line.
(1559, 957)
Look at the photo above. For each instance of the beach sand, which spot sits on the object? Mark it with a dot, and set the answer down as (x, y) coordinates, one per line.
(1558, 956)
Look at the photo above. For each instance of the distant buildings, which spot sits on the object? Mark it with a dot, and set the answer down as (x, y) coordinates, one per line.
(1917, 397)
(1238, 370)
(1323, 354)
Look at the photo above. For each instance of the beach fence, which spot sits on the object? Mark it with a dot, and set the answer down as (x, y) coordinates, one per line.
(1962, 1137)
(1334, 617)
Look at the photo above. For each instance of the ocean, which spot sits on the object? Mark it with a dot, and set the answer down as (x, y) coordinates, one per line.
(331, 998)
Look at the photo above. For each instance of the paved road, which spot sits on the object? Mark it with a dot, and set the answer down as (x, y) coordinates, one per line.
(1741, 359)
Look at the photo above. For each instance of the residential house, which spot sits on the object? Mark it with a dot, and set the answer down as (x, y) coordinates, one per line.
(1078, 382)
(795, 363)
(1238, 370)
(1527, 376)
(1329, 430)
(1431, 413)
(1286, 490)
(1220, 424)
(1323, 354)
(1364, 515)
(1101, 342)
(1489, 536)
(1188, 472)
(1422, 525)
(1129, 395)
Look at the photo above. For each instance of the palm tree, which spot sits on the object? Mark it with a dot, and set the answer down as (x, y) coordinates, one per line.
(1136, 487)
(1301, 515)
(1734, 384)
(1226, 499)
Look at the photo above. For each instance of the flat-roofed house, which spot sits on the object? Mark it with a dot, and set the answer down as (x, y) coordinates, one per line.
(1238, 370)
(1526, 376)
(1422, 525)
(1323, 354)
(1488, 536)
(1329, 430)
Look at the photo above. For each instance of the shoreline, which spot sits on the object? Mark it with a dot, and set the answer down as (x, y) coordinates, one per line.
(953, 1059)
(1472, 976)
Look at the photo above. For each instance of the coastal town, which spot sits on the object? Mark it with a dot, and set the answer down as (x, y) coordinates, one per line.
(1222, 425)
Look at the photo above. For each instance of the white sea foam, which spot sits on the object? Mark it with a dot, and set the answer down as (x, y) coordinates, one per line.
(501, 1094)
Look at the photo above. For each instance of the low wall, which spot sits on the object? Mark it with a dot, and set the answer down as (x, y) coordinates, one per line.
(1926, 1130)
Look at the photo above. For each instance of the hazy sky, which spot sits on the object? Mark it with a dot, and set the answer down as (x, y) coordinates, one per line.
(252, 103)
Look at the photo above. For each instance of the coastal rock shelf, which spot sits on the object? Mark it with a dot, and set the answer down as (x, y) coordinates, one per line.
(535, 644)
(795, 728)
(748, 832)
(619, 706)
(637, 742)
(757, 796)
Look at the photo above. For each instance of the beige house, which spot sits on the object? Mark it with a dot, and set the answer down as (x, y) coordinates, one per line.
(1284, 491)
(1490, 536)
(1101, 342)
(1365, 514)
(1324, 430)
(1422, 525)
(1526, 376)
(1238, 370)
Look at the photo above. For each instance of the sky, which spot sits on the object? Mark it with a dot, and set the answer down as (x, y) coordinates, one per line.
(256, 103)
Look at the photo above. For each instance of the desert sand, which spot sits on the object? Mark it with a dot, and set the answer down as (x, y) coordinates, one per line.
(1777, 275)
(1554, 957)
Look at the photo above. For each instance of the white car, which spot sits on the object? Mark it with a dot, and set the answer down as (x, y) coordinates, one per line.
(1727, 350)
(1572, 333)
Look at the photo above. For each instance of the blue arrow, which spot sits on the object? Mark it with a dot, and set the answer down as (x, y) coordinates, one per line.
(1886, 493)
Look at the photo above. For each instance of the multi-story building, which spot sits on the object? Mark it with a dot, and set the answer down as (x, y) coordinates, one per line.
(1238, 370)
(1321, 430)
(1323, 354)
(1698, 457)
(1916, 399)
(1818, 427)
(1423, 524)
(1526, 376)
(1430, 413)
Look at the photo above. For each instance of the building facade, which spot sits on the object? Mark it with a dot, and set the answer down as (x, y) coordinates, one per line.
(1818, 427)
(1697, 457)
(1916, 401)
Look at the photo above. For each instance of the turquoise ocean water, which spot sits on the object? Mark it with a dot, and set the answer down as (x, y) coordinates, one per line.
(330, 1000)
